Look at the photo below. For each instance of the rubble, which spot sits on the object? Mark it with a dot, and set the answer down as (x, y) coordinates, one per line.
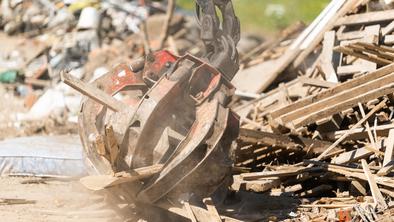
(87, 38)
(287, 144)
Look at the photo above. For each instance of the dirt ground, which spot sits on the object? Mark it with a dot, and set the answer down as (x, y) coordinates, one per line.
(62, 200)
(54, 201)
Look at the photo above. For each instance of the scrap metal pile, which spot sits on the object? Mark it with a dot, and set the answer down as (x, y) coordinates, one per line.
(303, 131)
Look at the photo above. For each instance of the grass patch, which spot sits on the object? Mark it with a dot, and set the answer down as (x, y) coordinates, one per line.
(270, 16)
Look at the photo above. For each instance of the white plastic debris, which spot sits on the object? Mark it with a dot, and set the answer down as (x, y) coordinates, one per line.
(52, 101)
(89, 19)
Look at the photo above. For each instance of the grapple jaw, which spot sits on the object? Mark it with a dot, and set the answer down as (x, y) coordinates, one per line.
(175, 115)
(170, 114)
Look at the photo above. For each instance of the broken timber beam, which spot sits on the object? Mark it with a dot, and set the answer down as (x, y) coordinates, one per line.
(349, 103)
(388, 29)
(100, 182)
(355, 51)
(358, 124)
(333, 91)
(352, 156)
(377, 196)
(93, 92)
(279, 173)
(359, 133)
(212, 210)
(366, 18)
(317, 83)
(349, 94)
(278, 140)
(388, 161)
(327, 57)
(352, 173)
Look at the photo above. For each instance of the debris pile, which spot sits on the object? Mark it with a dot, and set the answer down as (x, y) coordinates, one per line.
(317, 121)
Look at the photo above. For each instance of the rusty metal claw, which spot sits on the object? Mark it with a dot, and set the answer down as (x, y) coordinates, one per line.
(173, 113)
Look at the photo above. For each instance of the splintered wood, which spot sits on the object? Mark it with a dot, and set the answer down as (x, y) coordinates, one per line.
(324, 130)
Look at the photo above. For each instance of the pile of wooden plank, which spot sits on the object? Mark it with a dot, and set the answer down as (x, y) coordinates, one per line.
(325, 135)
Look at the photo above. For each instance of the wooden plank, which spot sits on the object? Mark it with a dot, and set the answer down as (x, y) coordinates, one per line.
(189, 211)
(277, 173)
(100, 182)
(358, 188)
(212, 209)
(327, 57)
(352, 156)
(265, 99)
(373, 52)
(350, 35)
(377, 196)
(324, 14)
(346, 95)
(354, 52)
(288, 142)
(93, 92)
(388, 29)
(376, 47)
(277, 67)
(379, 48)
(388, 40)
(317, 82)
(355, 126)
(388, 161)
(346, 70)
(366, 18)
(352, 173)
(166, 26)
(386, 169)
(328, 70)
(389, 152)
(360, 133)
(345, 8)
(387, 192)
(373, 94)
(371, 138)
(338, 89)
(372, 34)
(200, 213)
(261, 75)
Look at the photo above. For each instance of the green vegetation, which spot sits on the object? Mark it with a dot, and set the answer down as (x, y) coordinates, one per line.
(271, 15)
